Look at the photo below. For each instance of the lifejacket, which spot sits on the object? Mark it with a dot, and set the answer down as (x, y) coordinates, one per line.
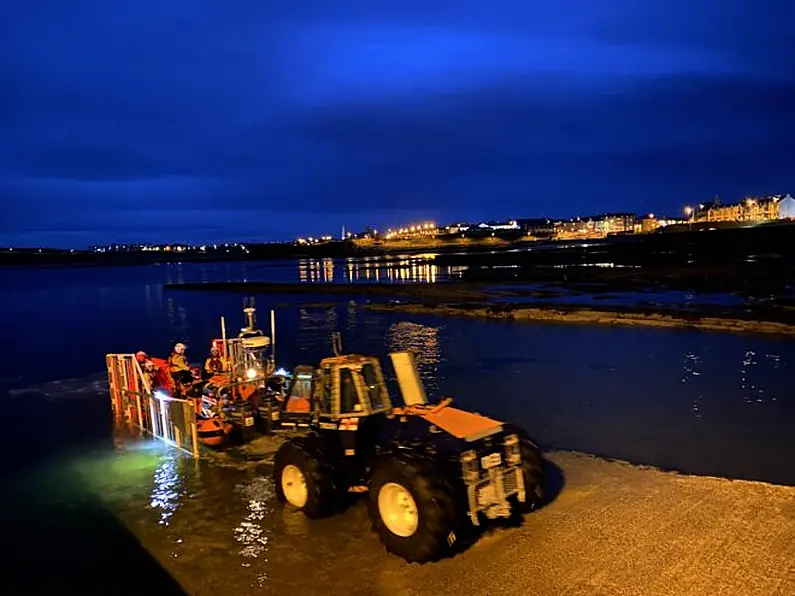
(162, 377)
(178, 362)
(214, 364)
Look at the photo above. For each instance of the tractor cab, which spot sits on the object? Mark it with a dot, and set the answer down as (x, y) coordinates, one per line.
(351, 386)
(342, 387)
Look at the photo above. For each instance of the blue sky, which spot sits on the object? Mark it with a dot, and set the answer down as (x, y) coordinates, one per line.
(207, 121)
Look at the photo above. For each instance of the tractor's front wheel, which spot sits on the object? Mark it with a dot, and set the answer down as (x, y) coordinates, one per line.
(305, 478)
(533, 472)
(413, 509)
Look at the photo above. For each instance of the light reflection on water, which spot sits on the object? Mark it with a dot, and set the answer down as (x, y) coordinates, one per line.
(250, 533)
(691, 369)
(315, 329)
(423, 341)
(752, 373)
(401, 269)
(166, 491)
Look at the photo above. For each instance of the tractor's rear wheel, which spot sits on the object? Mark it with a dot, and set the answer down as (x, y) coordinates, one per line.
(305, 478)
(533, 472)
(413, 509)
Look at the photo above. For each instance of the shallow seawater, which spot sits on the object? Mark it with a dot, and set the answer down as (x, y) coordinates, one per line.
(218, 525)
(713, 404)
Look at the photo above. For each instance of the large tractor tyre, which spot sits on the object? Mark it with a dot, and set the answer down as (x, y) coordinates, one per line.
(413, 509)
(305, 478)
(533, 472)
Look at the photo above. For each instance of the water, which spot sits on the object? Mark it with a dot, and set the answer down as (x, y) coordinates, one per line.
(669, 299)
(702, 403)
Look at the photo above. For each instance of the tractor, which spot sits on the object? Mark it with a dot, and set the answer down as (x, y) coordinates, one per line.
(432, 472)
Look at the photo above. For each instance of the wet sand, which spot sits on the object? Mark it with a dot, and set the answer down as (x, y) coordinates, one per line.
(611, 529)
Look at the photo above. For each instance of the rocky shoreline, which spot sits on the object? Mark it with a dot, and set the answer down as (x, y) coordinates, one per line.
(628, 317)
(480, 301)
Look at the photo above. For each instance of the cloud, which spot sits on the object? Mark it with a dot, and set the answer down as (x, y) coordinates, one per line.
(359, 108)
(344, 62)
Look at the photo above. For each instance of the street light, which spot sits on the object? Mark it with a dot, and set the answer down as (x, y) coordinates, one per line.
(689, 214)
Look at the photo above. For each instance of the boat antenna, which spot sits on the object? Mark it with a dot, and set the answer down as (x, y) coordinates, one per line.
(336, 343)
(249, 310)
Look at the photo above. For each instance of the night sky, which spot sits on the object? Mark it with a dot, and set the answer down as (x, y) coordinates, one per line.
(203, 120)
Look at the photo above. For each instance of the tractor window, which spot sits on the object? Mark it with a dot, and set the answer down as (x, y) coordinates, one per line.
(349, 400)
(323, 394)
(376, 390)
(299, 400)
(302, 387)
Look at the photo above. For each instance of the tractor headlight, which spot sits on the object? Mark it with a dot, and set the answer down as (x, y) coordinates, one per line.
(512, 451)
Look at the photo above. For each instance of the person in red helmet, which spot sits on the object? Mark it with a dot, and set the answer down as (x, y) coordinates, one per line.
(147, 367)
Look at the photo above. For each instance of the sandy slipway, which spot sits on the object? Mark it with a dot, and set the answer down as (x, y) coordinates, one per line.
(610, 529)
(626, 317)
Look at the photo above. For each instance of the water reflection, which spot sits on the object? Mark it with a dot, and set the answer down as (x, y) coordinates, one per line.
(423, 341)
(166, 491)
(177, 320)
(315, 329)
(295, 522)
(250, 533)
(401, 269)
(153, 297)
(751, 374)
(691, 370)
(316, 270)
(350, 320)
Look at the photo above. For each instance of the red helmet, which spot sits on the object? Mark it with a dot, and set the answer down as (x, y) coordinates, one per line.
(141, 356)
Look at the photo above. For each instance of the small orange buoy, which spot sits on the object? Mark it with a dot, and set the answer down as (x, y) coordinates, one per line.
(211, 431)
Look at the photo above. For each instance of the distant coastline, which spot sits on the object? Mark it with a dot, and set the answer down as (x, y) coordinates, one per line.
(44, 257)
(678, 236)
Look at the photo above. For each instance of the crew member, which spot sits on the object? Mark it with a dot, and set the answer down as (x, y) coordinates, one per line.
(147, 367)
(150, 373)
(178, 365)
(214, 364)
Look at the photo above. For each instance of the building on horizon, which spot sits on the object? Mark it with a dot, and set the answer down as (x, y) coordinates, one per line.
(764, 208)
(539, 227)
(595, 226)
